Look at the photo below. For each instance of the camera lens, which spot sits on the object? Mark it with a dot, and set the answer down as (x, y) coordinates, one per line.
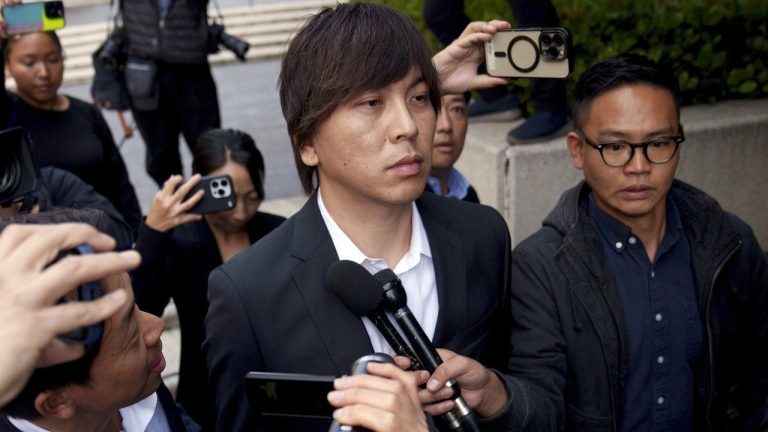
(557, 39)
(215, 184)
(546, 39)
(224, 183)
(553, 52)
(10, 173)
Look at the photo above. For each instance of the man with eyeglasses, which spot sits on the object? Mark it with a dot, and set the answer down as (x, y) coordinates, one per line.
(641, 304)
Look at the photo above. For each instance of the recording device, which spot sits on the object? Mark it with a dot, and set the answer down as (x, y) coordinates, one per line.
(276, 394)
(19, 175)
(460, 418)
(32, 17)
(219, 195)
(530, 53)
(88, 291)
(114, 51)
(217, 36)
(359, 367)
(362, 294)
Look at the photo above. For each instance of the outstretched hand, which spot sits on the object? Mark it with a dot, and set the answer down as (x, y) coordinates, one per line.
(481, 389)
(169, 208)
(457, 63)
(29, 290)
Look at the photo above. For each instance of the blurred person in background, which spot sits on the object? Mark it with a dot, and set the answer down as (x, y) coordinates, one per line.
(450, 133)
(67, 133)
(180, 249)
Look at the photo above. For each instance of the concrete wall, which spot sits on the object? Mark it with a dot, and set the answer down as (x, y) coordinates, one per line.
(725, 154)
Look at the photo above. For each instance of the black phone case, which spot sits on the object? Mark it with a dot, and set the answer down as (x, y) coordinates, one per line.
(290, 395)
(219, 195)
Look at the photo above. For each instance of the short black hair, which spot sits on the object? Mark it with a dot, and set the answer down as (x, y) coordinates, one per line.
(216, 146)
(618, 71)
(339, 54)
(76, 372)
(8, 43)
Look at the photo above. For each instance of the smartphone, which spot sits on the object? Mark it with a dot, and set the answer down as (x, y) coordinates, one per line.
(219, 195)
(290, 395)
(32, 17)
(86, 292)
(530, 53)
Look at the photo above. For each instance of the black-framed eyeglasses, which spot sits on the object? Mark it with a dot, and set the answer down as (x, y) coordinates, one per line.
(619, 153)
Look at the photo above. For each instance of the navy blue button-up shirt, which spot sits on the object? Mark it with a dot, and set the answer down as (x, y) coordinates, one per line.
(664, 330)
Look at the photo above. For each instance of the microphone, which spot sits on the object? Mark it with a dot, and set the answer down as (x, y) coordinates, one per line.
(362, 294)
(360, 366)
(396, 301)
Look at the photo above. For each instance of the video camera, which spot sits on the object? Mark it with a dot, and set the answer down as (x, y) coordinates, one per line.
(217, 36)
(19, 174)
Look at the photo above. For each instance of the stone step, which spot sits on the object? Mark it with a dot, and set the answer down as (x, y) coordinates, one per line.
(266, 27)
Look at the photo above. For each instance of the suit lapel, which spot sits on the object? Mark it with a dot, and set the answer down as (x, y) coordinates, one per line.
(450, 275)
(341, 332)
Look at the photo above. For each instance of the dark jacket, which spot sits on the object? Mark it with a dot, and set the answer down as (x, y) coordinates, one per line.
(270, 309)
(62, 189)
(568, 342)
(175, 264)
(182, 37)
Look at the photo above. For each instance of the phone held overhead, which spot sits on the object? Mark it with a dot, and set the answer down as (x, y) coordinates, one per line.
(33, 17)
(530, 53)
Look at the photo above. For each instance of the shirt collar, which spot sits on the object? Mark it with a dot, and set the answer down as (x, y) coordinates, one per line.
(458, 185)
(347, 250)
(619, 236)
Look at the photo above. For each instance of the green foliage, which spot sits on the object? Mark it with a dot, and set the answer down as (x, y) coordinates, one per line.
(717, 48)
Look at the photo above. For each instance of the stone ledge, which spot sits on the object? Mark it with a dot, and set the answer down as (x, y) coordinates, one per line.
(524, 182)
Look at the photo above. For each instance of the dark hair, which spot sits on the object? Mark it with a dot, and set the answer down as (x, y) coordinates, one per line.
(216, 146)
(13, 38)
(621, 70)
(76, 372)
(339, 54)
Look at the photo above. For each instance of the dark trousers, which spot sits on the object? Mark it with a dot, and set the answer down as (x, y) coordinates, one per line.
(447, 20)
(188, 105)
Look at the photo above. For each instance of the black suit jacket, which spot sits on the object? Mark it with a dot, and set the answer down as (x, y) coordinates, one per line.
(176, 264)
(270, 311)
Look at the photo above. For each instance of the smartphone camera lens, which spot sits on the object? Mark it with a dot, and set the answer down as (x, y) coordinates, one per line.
(546, 39)
(215, 184)
(553, 52)
(557, 39)
(224, 183)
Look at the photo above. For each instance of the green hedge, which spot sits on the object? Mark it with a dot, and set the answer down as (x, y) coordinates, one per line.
(719, 49)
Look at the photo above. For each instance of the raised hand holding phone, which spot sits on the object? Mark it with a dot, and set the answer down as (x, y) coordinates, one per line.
(171, 204)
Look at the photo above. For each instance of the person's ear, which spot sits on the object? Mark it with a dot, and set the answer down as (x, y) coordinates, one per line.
(55, 404)
(576, 149)
(309, 154)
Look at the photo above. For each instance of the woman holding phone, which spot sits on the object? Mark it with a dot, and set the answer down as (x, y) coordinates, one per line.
(180, 248)
(67, 132)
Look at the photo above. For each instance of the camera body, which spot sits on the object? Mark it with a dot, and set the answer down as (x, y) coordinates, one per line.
(360, 367)
(218, 36)
(530, 53)
(19, 174)
(219, 195)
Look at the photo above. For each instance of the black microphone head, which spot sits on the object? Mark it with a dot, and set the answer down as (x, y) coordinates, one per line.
(394, 294)
(355, 287)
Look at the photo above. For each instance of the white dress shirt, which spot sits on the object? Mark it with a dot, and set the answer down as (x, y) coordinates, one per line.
(415, 270)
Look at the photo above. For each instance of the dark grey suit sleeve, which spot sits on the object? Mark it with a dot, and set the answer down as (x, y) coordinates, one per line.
(231, 350)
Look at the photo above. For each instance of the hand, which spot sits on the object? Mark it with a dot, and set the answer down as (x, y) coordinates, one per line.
(28, 293)
(168, 208)
(457, 63)
(482, 389)
(385, 400)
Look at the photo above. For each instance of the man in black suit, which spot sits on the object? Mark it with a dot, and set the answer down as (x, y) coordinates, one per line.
(360, 94)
